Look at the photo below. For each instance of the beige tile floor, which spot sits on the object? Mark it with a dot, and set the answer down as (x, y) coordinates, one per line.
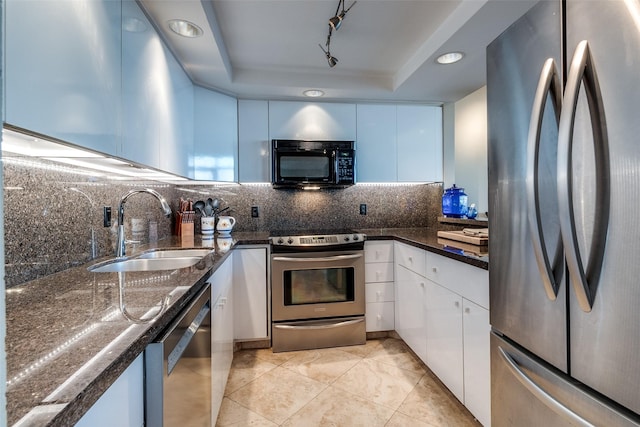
(380, 383)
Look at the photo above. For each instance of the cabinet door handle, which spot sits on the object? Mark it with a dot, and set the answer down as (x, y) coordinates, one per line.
(379, 316)
(422, 284)
(410, 259)
(467, 310)
(584, 278)
(456, 304)
(434, 269)
(548, 84)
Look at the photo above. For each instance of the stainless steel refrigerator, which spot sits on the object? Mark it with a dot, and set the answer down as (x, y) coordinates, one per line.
(563, 93)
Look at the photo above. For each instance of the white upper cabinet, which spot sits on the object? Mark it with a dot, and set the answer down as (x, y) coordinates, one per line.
(376, 149)
(312, 120)
(253, 141)
(399, 143)
(63, 70)
(157, 98)
(215, 119)
(419, 138)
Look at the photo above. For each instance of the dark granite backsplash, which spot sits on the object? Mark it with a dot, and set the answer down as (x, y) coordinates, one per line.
(54, 221)
(388, 205)
(54, 216)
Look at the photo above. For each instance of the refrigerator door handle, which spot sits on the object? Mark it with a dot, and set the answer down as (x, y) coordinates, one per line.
(540, 394)
(584, 281)
(548, 84)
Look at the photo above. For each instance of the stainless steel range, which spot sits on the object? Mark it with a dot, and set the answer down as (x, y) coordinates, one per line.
(317, 281)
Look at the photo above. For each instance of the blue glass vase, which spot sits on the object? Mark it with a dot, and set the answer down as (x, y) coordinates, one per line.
(454, 202)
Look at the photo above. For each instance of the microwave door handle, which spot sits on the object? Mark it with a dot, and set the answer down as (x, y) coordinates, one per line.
(319, 259)
(583, 282)
(548, 84)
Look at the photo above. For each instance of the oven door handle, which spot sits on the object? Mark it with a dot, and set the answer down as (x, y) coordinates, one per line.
(326, 326)
(319, 259)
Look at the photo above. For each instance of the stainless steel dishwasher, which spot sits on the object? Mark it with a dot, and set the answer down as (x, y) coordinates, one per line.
(178, 369)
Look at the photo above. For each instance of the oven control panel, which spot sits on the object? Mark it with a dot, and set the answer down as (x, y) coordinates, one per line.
(317, 240)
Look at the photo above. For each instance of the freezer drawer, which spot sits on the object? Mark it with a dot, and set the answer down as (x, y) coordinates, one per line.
(524, 392)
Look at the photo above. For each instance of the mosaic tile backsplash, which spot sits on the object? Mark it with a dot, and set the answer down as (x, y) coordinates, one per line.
(54, 216)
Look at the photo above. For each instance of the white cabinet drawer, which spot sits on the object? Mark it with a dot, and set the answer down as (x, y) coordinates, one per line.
(378, 251)
(379, 292)
(411, 257)
(378, 272)
(466, 280)
(379, 316)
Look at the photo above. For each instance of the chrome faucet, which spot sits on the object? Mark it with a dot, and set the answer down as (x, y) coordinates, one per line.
(120, 248)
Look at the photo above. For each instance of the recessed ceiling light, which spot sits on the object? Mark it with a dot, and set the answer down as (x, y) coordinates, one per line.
(450, 58)
(313, 93)
(185, 28)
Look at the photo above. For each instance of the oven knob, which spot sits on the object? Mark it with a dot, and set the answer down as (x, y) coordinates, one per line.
(346, 238)
(290, 241)
(355, 237)
(280, 241)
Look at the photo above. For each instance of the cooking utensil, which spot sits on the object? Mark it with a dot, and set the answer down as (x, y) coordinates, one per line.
(215, 204)
(208, 208)
(200, 206)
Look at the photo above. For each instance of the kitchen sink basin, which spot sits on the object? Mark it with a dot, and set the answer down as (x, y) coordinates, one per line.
(145, 264)
(175, 253)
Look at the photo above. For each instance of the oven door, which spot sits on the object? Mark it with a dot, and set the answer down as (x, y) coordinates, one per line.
(315, 285)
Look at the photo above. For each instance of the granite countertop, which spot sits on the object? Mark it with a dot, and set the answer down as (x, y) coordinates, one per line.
(426, 238)
(67, 338)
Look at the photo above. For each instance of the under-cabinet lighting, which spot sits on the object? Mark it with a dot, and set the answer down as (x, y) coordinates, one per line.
(311, 187)
(26, 149)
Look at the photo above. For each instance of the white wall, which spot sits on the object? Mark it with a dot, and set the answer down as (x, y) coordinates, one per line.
(470, 164)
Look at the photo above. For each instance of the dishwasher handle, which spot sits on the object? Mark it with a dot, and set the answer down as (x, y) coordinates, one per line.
(187, 336)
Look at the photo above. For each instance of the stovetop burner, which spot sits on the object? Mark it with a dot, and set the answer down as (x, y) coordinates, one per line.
(316, 239)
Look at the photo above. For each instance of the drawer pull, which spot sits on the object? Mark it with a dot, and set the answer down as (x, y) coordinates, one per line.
(434, 269)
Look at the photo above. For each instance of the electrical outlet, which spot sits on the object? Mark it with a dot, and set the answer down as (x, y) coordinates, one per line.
(255, 213)
(363, 208)
(106, 216)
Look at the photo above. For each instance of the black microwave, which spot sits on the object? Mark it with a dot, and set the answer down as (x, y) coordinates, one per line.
(312, 164)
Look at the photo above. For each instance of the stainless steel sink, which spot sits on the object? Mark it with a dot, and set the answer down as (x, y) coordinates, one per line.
(145, 264)
(175, 253)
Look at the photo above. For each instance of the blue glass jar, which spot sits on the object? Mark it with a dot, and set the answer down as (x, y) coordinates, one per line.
(454, 202)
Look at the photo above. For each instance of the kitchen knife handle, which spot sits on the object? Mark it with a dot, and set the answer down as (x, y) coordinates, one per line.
(540, 394)
(548, 84)
(584, 281)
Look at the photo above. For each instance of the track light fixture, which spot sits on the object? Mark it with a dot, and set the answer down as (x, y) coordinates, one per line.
(336, 21)
(330, 59)
(334, 24)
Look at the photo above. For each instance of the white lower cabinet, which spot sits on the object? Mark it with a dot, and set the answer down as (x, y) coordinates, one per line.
(477, 361)
(250, 293)
(221, 331)
(123, 402)
(457, 300)
(444, 337)
(379, 286)
(410, 316)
